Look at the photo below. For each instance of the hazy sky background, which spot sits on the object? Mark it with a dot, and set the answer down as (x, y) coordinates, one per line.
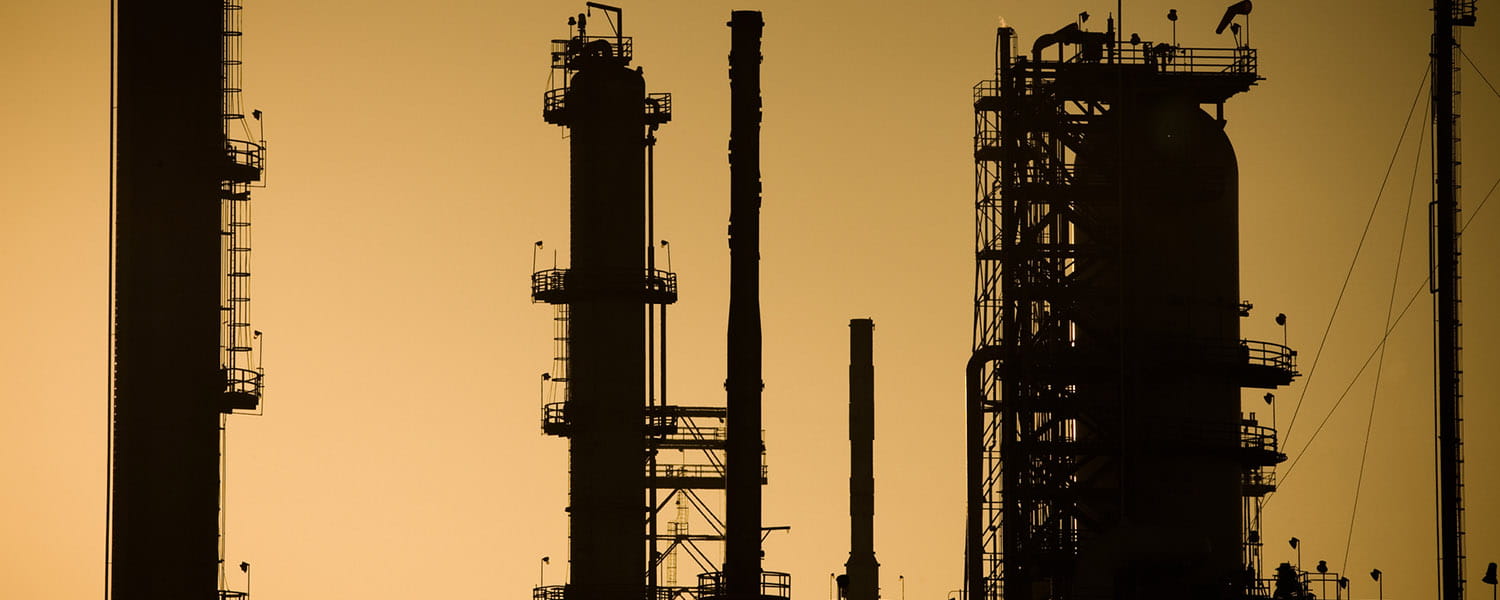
(410, 173)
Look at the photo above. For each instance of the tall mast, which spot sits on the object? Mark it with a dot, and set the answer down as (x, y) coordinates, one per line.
(1447, 16)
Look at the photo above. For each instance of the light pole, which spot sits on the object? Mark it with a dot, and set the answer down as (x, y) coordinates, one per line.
(1172, 16)
(1297, 545)
(1379, 584)
(542, 575)
(1322, 576)
(1489, 577)
(903, 586)
(1271, 400)
(830, 586)
(245, 568)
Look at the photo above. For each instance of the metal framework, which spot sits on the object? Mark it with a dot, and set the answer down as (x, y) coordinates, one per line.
(1448, 17)
(1038, 245)
(686, 446)
(244, 167)
(244, 164)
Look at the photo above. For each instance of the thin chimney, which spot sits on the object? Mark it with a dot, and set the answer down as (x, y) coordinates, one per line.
(862, 572)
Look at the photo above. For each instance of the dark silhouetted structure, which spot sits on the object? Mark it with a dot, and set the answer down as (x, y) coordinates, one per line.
(742, 554)
(603, 105)
(862, 572)
(742, 577)
(614, 407)
(1448, 15)
(1108, 457)
(183, 343)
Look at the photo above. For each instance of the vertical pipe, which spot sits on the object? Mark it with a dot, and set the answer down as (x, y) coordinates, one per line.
(169, 160)
(651, 405)
(742, 556)
(862, 569)
(1446, 245)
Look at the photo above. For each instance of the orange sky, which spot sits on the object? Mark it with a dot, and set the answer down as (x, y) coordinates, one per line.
(410, 173)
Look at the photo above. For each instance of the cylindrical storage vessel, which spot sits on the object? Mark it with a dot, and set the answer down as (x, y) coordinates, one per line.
(1159, 306)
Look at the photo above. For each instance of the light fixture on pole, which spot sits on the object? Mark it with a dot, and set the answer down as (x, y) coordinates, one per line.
(1297, 545)
(1271, 400)
(1489, 577)
(245, 568)
(1380, 584)
(542, 387)
(542, 575)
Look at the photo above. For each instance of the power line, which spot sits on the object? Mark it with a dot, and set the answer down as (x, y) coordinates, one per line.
(1307, 383)
(1472, 214)
(1480, 73)
(1364, 453)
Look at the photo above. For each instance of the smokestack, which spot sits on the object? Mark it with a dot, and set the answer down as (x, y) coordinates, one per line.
(862, 571)
(742, 569)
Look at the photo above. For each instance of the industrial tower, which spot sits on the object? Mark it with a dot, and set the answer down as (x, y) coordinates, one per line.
(1448, 17)
(1108, 455)
(861, 578)
(610, 366)
(183, 351)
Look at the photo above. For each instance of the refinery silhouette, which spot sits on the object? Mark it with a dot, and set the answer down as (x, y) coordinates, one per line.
(1107, 451)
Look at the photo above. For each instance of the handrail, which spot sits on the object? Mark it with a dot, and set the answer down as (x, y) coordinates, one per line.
(657, 106)
(1257, 437)
(549, 592)
(1261, 476)
(773, 584)
(241, 152)
(243, 380)
(554, 413)
(566, 52)
(1163, 58)
(663, 471)
(560, 592)
(651, 281)
(1173, 59)
(1270, 354)
(554, 100)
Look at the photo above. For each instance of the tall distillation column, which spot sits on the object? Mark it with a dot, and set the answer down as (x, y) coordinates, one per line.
(607, 328)
(182, 351)
(166, 428)
(1108, 455)
(604, 105)
(861, 570)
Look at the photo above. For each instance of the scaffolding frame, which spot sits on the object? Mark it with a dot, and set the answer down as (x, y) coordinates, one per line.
(1029, 447)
